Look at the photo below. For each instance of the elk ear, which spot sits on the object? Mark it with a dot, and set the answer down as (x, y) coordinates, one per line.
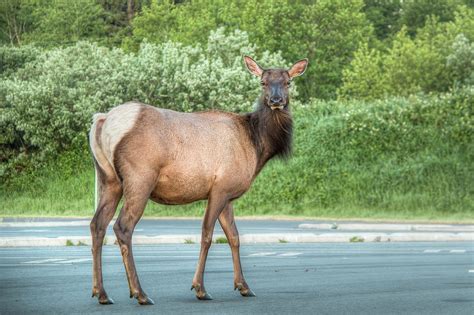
(252, 66)
(298, 68)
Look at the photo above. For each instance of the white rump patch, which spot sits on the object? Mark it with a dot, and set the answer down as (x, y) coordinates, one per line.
(119, 121)
(96, 150)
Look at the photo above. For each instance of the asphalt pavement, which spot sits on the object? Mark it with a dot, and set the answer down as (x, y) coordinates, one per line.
(288, 278)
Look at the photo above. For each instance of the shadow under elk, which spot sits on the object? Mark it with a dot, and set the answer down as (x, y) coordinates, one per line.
(142, 152)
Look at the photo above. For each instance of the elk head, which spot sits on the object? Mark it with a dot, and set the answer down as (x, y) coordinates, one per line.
(276, 82)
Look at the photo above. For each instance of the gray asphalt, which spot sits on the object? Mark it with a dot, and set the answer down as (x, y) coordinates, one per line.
(353, 278)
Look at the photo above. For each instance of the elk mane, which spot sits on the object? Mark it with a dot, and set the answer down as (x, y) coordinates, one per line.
(270, 131)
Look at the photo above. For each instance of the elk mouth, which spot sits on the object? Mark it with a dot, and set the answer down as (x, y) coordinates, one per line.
(277, 107)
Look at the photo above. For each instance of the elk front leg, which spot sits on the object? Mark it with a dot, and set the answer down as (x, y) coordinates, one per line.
(214, 208)
(226, 219)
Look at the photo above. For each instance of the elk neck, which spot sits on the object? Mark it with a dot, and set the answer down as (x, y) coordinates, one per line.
(270, 131)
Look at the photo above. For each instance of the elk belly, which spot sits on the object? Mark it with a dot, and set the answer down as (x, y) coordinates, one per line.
(180, 188)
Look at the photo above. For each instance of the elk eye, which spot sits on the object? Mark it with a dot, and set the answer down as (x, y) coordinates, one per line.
(262, 83)
(289, 83)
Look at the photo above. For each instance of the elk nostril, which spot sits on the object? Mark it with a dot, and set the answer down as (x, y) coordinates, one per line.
(276, 100)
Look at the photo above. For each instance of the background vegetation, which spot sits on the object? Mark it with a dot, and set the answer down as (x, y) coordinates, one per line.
(384, 118)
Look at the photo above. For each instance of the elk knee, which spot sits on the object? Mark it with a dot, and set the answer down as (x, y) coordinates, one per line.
(206, 241)
(234, 241)
(119, 231)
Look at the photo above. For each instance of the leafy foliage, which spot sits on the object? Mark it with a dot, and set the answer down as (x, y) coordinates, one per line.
(434, 61)
(16, 19)
(326, 32)
(12, 58)
(364, 79)
(414, 13)
(461, 61)
(384, 16)
(64, 22)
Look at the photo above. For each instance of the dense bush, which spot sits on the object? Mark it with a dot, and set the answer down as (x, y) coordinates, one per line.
(327, 32)
(414, 13)
(461, 61)
(12, 58)
(389, 16)
(64, 22)
(48, 104)
(437, 59)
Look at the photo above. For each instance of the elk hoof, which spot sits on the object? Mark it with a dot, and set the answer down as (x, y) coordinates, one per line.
(204, 297)
(102, 297)
(201, 295)
(105, 300)
(244, 290)
(145, 301)
(142, 298)
(247, 293)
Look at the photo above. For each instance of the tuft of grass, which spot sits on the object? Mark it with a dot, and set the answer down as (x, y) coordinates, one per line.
(221, 240)
(80, 243)
(188, 241)
(282, 241)
(356, 239)
(69, 243)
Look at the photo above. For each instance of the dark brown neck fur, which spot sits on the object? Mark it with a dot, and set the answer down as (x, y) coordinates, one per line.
(271, 133)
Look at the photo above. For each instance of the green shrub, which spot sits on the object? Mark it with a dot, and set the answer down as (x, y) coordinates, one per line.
(414, 13)
(364, 79)
(327, 31)
(64, 22)
(12, 58)
(436, 60)
(461, 61)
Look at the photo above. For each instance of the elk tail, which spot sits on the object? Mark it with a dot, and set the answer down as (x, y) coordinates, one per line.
(102, 164)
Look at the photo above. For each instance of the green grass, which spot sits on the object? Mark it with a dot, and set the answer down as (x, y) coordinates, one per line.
(356, 239)
(400, 159)
(221, 240)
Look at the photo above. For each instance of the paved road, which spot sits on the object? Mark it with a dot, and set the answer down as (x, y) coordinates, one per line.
(353, 278)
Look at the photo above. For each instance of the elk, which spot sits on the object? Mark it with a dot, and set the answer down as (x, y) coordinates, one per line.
(142, 152)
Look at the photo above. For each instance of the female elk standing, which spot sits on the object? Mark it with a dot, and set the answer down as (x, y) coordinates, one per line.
(143, 152)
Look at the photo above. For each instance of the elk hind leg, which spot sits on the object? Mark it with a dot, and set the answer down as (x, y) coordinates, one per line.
(135, 202)
(110, 195)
